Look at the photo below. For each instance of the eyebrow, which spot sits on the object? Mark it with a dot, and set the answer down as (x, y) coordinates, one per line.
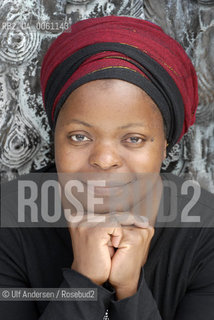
(79, 122)
(128, 125)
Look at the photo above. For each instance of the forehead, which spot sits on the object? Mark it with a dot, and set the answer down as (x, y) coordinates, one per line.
(111, 101)
(118, 88)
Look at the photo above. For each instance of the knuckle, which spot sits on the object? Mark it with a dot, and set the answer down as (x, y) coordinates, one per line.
(151, 232)
(146, 235)
(82, 229)
(139, 237)
(135, 237)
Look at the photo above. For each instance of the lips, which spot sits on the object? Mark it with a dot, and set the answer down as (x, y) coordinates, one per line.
(111, 188)
(115, 191)
(109, 184)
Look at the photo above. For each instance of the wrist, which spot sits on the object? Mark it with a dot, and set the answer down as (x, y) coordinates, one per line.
(96, 280)
(124, 292)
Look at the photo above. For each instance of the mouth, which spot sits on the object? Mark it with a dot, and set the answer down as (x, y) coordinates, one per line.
(109, 189)
(108, 184)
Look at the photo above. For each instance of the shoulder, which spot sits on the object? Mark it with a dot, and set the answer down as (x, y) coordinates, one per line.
(22, 196)
(187, 228)
(193, 205)
(36, 176)
(18, 235)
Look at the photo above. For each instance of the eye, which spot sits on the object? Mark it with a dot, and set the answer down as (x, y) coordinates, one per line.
(79, 138)
(135, 140)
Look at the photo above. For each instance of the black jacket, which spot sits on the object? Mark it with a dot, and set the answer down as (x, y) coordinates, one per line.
(176, 283)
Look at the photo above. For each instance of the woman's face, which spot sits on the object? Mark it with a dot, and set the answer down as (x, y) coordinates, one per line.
(109, 128)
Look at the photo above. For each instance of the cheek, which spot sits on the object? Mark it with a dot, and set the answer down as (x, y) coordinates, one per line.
(146, 160)
(66, 158)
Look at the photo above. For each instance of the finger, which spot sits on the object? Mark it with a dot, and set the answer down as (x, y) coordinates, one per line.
(135, 235)
(111, 251)
(109, 243)
(110, 227)
(149, 230)
(127, 218)
(100, 220)
(141, 221)
(117, 234)
(88, 219)
(73, 220)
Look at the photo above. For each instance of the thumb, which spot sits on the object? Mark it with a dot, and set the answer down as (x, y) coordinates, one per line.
(116, 234)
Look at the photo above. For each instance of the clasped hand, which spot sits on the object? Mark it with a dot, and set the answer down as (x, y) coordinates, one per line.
(113, 250)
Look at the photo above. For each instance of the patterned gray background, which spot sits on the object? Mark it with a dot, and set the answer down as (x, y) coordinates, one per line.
(27, 27)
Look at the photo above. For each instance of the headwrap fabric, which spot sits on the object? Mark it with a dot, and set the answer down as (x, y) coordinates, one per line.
(124, 48)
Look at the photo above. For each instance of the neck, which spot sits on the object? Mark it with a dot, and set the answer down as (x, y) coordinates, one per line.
(150, 203)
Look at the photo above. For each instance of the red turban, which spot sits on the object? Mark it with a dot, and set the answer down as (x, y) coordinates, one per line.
(129, 49)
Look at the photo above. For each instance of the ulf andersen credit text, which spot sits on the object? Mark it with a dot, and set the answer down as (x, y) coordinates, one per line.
(47, 294)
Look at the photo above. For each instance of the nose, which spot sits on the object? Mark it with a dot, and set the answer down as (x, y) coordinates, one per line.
(105, 157)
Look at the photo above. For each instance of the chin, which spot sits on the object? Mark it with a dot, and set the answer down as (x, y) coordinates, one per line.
(110, 200)
(109, 208)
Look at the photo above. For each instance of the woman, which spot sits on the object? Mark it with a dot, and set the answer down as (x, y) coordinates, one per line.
(119, 93)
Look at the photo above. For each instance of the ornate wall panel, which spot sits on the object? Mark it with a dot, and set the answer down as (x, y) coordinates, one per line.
(26, 30)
